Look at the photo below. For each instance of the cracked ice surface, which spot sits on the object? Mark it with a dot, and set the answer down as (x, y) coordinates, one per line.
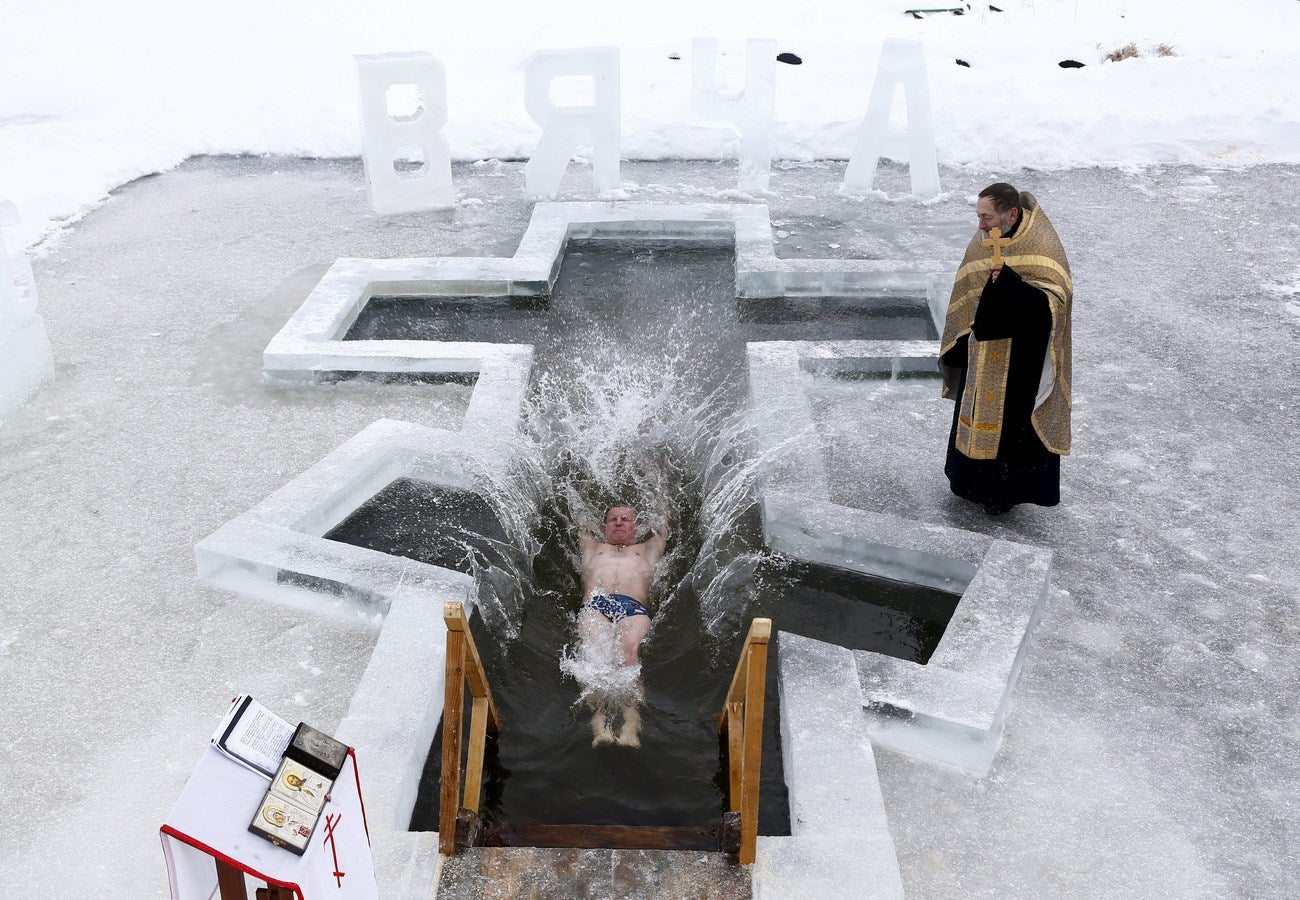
(1149, 745)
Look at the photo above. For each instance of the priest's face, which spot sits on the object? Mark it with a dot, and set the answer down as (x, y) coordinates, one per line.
(990, 218)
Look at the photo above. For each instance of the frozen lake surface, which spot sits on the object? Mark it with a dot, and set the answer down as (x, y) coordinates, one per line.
(1150, 743)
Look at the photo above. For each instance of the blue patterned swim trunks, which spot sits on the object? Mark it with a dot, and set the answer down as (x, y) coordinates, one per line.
(616, 606)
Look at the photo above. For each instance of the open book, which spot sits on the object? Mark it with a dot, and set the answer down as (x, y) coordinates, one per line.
(253, 736)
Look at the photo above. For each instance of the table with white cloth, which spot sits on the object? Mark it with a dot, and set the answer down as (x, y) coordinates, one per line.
(210, 823)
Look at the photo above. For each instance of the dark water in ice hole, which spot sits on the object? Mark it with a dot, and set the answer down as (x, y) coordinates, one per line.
(616, 312)
(443, 527)
(502, 320)
(517, 320)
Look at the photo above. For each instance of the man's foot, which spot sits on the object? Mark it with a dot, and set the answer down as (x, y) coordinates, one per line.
(630, 734)
(600, 733)
(997, 509)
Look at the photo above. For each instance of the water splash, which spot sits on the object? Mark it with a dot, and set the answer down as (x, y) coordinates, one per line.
(637, 399)
(595, 662)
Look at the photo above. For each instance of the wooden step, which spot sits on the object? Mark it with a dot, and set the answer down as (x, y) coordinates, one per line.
(605, 837)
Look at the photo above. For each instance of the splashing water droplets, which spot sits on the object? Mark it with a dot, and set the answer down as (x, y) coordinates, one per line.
(637, 399)
(596, 664)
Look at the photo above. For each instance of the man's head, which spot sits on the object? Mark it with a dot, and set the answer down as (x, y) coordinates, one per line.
(620, 525)
(998, 207)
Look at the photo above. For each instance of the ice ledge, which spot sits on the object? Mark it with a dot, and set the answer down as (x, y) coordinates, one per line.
(393, 739)
(816, 530)
(780, 414)
(951, 710)
(277, 549)
(311, 345)
(840, 844)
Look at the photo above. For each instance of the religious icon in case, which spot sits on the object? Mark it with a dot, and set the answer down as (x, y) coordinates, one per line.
(300, 785)
(293, 803)
(284, 824)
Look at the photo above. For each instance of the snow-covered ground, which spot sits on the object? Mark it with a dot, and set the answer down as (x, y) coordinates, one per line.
(1149, 745)
(1150, 749)
(93, 95)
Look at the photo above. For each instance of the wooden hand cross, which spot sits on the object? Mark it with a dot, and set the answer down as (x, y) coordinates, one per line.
(997, 242)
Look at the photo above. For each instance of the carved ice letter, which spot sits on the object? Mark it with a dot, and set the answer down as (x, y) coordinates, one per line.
(566, 127)
(752, 110)
(902, 63)
(390, 140)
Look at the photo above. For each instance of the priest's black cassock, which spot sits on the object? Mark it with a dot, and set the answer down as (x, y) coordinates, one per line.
(1024, 471)
(1005, 360)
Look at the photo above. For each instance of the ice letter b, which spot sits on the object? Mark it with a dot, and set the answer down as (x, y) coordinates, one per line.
(566, 128)
(901, 63)
(391, 140)
(752, 110)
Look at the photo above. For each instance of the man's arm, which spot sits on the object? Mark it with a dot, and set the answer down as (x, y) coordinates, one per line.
(660, 531)
(586, 541)
(1011, 307)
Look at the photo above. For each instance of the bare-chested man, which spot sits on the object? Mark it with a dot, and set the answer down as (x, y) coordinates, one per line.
(616, 577)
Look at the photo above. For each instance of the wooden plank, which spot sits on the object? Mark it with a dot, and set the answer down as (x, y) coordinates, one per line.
(735, 757)
(736, 677)
(453, 613)
(230, 882)
(760, 631)
(452, 713)
(478, 684)
(605, 837)
(477, 742)
(755, 686)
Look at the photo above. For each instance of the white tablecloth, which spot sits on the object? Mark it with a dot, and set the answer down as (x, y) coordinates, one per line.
(210, 820)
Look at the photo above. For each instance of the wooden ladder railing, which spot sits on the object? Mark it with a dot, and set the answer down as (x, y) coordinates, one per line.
(463, 664)
(742, 722)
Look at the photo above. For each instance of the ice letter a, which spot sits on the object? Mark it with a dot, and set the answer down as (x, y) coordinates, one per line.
(751, 111)
(25, 360)
(567, 127)
(901, 63)
(391, 138)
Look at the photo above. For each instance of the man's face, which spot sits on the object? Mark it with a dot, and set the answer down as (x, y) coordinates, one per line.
(620, 525)
(990, 218)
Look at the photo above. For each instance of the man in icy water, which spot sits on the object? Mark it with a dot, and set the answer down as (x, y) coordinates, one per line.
(616, 575)
(1005, 357)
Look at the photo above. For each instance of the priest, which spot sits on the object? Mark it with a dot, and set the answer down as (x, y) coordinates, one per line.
(1005, 357)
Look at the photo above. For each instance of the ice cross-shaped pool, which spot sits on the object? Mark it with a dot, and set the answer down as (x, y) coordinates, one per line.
(949, 711)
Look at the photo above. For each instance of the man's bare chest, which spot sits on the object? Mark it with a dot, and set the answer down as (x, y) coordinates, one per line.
(629, 560)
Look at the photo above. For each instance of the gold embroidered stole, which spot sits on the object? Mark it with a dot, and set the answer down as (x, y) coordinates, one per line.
(1035, 252)
(979, 423)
